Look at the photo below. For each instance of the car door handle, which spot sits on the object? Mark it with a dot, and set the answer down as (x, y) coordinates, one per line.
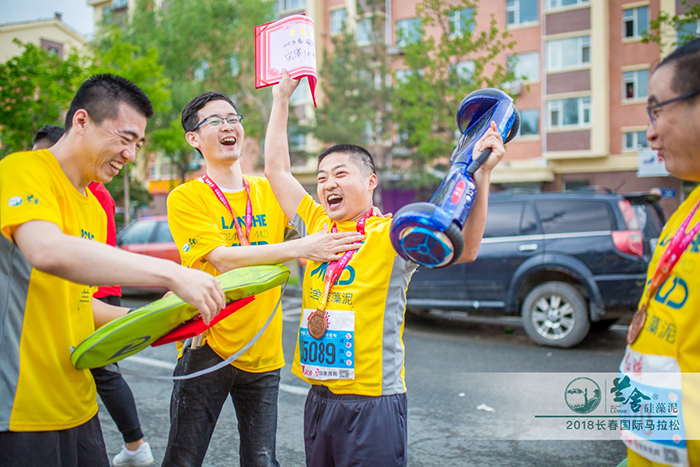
(528, 247)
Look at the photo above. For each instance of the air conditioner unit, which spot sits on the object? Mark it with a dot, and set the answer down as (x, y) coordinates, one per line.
(513, 88)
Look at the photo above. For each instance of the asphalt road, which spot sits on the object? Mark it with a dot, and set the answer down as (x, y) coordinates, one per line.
(453, 366)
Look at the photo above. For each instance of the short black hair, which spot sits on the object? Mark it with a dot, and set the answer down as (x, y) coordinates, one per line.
(50, 134)
(101, 95)
(189, 114)
(362, 158)
(686, 60)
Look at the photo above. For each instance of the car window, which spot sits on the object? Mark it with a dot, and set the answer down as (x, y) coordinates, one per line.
(163, 234)
(503, 220)
(562, 216)
(650, 222)
(138, 232)
(529, 225)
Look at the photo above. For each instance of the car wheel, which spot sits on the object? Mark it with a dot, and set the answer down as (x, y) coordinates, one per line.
(555, 314)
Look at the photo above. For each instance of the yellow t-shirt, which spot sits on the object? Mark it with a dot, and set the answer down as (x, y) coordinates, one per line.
(362, 351)
(43, 316)
(200, 223)
(670, 339)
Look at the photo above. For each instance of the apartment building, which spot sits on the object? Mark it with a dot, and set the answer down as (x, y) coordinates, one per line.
(51, 34)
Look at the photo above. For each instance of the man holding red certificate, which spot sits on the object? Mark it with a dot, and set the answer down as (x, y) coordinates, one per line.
(222, 221)
(350, 345)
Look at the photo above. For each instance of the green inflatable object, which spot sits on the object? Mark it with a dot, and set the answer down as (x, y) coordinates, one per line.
(134, 332)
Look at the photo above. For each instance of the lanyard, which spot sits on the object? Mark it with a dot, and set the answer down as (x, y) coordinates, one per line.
(244, 239)
(670, 257)
(335, 268)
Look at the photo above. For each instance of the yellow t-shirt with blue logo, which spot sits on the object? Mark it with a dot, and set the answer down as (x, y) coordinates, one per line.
(670, 339)
(200, 223)
(362, 351)
(43, 316)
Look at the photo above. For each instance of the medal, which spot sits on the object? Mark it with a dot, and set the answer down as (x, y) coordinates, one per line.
(637, 324)
(670, 257)
(317, 324)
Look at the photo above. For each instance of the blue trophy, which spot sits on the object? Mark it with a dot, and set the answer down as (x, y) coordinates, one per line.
(430, 234)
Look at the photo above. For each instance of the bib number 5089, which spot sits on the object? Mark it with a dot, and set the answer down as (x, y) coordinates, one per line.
(320, 352)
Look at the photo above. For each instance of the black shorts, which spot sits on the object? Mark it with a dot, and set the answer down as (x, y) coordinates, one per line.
(81, 446)
(351, 430)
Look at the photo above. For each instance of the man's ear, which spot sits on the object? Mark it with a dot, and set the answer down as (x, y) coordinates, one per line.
(193, 139)
(81, 120)
(372, 182)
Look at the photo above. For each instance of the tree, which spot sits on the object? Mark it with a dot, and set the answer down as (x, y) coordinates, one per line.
(36, 88)
(202, 45)
(683, 29)
(357, 104)
(440, 72)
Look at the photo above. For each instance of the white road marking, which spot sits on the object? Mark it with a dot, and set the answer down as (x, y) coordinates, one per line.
(293, 389)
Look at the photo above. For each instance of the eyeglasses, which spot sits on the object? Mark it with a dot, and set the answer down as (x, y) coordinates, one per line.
(217, 121)
(652, 108)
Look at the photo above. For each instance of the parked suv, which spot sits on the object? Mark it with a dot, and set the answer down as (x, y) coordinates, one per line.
(560, 260)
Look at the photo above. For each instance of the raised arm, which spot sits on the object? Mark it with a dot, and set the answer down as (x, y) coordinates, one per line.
(48, 249)
(278, 171)
(473, 230)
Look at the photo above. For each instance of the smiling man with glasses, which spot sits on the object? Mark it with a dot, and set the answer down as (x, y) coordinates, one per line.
(664, 336)
(222, 221)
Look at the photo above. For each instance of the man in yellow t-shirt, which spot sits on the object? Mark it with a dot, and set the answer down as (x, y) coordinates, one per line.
(223, 221)
(51, 249)
(355, 412)
(664, 356)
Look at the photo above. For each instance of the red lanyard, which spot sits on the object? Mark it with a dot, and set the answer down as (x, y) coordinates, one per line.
(675, 249)
(244, 239)
(335, 268)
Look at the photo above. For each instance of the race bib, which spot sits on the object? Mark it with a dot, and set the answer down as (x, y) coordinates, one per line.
(333, 355)
(649, 392)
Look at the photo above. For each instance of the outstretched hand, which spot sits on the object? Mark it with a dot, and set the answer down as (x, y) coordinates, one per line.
(324, 247)
(285, 87)
(199, 289)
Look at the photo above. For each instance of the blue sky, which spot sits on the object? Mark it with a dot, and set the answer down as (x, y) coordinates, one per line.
(76, 13)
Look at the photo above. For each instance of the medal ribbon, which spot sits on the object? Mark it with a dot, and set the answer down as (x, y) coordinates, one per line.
(670, 257)
(335, 268)
(244, 239)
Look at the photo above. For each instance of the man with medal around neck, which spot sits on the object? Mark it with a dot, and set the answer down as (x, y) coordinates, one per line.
(201, 218)
(356, 410)
(664, 337)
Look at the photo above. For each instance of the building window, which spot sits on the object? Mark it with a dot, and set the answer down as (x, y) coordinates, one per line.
(408, 31)
(364, 33)
(525, 66)
(337, 21)
(575, 112)
(554, 4)
(521, 12)
(300, 94)
(297, 139)
(634, 22)
(286, 5)
(461, 22)
(635, 85)
(529, 122)
(107, 14)
(119, 4)
(687, 31)
(633, 140)
(568, 53)
(462, 73)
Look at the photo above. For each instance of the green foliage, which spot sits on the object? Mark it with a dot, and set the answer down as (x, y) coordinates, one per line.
(684, 28)
(440, 73)
(36, 88)
(202, 45)
(358, 95)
